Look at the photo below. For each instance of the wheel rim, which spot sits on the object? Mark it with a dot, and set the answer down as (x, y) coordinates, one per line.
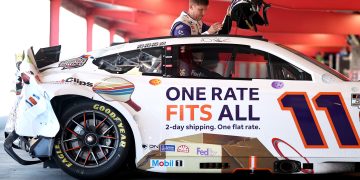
(90, 139)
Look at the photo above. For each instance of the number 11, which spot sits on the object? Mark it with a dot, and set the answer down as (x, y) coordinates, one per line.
(333, 104)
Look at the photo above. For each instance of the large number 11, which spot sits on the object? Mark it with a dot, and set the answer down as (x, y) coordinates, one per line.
(333, 104)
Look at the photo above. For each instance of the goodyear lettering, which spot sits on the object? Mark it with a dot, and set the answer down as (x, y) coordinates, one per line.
(112, 115)
(122, 130)
(123, 144)
(62, 157)
(115, 118)
(107, 111)
(102, 108)
(123, 137)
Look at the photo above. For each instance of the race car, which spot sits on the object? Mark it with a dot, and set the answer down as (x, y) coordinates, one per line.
(204, 104)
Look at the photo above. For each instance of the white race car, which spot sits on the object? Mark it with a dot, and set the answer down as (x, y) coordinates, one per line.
(204, 104)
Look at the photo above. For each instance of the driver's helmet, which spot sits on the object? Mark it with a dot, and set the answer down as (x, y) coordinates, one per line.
(246, 13)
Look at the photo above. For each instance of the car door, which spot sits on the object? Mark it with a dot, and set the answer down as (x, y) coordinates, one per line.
(216, 89)
(320, 120)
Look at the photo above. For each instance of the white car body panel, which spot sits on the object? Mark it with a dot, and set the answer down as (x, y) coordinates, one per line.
(149, 126)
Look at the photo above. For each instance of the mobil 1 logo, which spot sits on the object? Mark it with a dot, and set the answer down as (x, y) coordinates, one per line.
(165, 163)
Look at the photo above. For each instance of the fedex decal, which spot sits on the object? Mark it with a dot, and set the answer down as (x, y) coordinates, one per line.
(215, 94)
(205, 152)
(165, 163)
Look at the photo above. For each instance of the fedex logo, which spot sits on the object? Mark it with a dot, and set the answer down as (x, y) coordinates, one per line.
(205, 152)
(165, 163)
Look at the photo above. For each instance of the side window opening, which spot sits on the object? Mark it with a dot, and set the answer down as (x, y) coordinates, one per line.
(147, 61)
(222, 61)
(250, 64)
(225, 61)
(199, 61)
(283, 70)
(150, 61)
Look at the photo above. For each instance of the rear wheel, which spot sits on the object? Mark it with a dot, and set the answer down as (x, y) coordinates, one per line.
(94, 140)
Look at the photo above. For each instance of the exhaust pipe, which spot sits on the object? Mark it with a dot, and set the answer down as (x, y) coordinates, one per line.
(287, 166)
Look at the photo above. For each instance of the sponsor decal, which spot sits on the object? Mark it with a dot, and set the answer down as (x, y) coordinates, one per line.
(215, 39)
(217, 94)
(167, 148)
(183, 148)
(150, 146)
(74, 63)
(32, 100)
(355, 100)
(209, 104)
(78, 81)
(205, 152)
(150, 45)
(72, 80)
(155, 82)
(117, 89)
(165, 163)
(277, 84)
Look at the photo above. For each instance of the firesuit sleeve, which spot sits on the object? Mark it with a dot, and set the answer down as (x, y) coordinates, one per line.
(180, 29)
(226, 25)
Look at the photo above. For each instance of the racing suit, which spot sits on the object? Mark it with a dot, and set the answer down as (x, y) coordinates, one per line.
(184, 25)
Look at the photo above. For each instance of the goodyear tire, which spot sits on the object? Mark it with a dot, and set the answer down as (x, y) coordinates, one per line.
(94, 140)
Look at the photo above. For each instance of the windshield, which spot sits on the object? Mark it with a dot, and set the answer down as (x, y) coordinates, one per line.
(321, 65)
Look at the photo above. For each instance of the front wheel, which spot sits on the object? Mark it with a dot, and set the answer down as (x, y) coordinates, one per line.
(94, 140)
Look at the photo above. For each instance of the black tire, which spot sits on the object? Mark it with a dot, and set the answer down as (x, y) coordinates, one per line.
(87, 148)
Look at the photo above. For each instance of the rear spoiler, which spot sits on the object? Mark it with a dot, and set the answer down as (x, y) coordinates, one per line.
(47, 56)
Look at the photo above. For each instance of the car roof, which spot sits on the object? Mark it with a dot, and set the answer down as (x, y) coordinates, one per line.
(196, 36)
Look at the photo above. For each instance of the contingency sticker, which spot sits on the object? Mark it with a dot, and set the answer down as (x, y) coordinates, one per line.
(355, 100)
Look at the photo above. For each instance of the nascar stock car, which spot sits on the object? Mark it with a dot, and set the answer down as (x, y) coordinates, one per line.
(206, 104)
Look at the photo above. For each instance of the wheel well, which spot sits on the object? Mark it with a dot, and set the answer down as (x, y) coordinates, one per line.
(60, 103)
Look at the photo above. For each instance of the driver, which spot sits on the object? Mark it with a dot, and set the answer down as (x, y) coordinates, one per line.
(190, 22)
(192, 64)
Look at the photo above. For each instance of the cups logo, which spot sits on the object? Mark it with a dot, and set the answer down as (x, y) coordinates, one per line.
(183, 148)
(77, 81)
